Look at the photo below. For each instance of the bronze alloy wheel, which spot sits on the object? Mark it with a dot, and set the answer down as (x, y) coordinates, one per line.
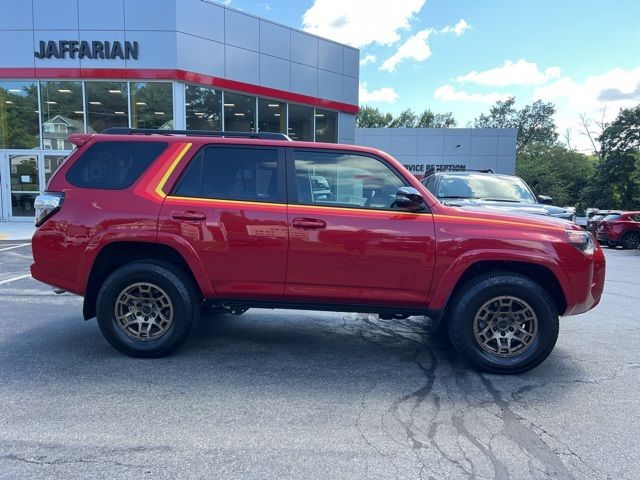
(505, 326)
(143, 311)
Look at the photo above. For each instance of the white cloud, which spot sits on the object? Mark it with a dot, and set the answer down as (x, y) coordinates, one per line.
(382, 95)
(415, 48)
(512, 73)
(369, 58)
(617, 89)
(449, 93)
(458, 29)
(360, 22)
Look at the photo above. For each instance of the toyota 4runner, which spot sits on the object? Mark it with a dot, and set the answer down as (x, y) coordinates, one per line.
(150, 226)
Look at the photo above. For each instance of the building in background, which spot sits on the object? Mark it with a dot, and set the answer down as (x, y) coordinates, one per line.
(445, 148)
(72, 66)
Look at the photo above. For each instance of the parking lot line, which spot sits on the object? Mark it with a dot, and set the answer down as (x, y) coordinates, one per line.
(14, 246)
(13, 279)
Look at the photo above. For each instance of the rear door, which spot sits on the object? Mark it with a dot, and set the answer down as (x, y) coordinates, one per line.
(347, 244)
(229, 204)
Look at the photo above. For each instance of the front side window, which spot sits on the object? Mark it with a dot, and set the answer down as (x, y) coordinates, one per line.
(152, 105)
(344, 180)
(19, 115)
(232, 173)
(62, 113)
(113, 165)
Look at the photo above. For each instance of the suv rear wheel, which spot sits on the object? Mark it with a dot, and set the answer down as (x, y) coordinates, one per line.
(146, 309)
(503, 322)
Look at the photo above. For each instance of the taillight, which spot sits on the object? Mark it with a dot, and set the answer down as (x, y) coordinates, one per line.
(46, 204)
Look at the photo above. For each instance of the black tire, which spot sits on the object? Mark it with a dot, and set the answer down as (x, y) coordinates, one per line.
(481, 289)
(630, 241)
(179, 288)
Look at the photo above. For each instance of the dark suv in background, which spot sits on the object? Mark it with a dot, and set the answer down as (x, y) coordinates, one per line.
(504, 193)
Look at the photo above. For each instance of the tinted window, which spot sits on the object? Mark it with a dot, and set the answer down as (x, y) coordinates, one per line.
(609, 218)
(113, 165)
(430, 183)
(343, 179)
(232, 174)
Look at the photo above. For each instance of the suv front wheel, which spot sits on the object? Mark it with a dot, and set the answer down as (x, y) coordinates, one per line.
(146, 309)
(503, 322)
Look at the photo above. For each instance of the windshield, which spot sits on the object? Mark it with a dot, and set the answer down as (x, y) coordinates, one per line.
(486, 187)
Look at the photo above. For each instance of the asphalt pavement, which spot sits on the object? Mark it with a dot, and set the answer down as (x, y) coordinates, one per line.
(308, 395)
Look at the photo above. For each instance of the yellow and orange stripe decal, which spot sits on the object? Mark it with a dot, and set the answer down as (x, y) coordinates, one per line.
(172, 167)
(151, 185)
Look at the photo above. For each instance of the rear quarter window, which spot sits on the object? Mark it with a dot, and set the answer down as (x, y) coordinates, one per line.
(113, 165)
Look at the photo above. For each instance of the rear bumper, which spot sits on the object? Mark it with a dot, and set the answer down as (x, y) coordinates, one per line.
(54, 281)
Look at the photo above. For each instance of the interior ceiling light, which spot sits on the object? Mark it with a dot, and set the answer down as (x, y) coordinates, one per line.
(15, 90)
(158, 113)
(140, 103)
(64, 90)
(239, 114)
(115, 91)
(274, 105)
(95, 103)
(229, 104)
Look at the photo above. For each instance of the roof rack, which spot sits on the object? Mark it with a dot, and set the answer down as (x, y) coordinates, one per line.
(196, 133)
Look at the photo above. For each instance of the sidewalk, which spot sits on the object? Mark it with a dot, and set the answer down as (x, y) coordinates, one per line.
(16, 231)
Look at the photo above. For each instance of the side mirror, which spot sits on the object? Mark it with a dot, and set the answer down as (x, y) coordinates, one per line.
(408, 198)
(545, 199)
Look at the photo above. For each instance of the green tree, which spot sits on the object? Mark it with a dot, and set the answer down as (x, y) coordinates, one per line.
(554, 170)
(370, 117)
(619, 171)
(535, 123)
(429, 119)
(407, 118)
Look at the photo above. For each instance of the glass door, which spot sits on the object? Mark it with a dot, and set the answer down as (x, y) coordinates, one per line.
(23, 184)
(23, 175)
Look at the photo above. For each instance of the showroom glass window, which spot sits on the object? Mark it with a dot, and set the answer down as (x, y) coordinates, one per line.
(239, 112)
(326, 126)
(19, 124)
(151, 105)
(62, 113)
(301, 123)
(107, 105)
(203, 108)
(344, 180)
(272, 116)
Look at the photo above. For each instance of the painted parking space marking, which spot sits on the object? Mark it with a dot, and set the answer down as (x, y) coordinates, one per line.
(14, 279)
(14, 246)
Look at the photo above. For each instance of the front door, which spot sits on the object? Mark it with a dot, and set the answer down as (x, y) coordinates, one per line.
(230, 206)
(347, 243)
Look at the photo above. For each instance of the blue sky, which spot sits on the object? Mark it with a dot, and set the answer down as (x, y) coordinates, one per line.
(462, 55)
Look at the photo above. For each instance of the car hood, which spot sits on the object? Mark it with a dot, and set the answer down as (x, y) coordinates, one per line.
(515, 207)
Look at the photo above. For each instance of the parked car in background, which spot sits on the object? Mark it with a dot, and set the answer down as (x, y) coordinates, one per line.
(620, 229)
(503, 193)
(595, 217)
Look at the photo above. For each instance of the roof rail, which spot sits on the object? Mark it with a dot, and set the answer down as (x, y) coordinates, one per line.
(196, 133)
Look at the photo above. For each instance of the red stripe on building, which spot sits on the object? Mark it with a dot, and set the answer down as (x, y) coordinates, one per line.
(174, 74)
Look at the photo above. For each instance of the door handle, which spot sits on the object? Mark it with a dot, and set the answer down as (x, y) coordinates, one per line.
(188, 216)
(308, 223)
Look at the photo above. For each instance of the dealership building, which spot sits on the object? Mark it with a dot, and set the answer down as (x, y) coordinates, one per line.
(73, 66)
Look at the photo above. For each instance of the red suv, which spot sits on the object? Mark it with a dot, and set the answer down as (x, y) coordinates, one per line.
(620, 229)
(151, 225)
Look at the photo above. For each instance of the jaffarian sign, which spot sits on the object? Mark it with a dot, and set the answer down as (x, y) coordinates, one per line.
(96, 49)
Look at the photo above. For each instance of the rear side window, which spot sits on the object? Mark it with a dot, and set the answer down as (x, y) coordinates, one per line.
(113, 165)
(611, 217)
(232, 173)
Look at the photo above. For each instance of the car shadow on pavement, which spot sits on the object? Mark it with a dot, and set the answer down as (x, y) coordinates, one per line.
(267, 349)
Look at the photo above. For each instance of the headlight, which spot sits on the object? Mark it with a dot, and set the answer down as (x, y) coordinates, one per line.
(582, 240)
